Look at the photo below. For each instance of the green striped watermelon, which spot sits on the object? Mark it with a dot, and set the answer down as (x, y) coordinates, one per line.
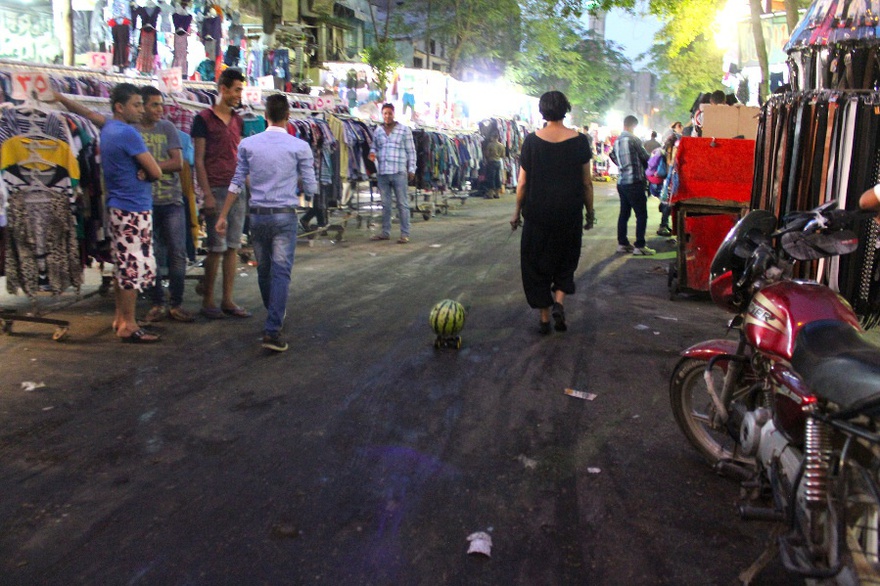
(447, 318)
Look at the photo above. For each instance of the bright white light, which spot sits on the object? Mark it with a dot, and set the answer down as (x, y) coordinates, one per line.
(727, 23)
(614, 120)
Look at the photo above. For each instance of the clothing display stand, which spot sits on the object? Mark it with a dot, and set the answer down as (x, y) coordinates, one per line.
(33, 167)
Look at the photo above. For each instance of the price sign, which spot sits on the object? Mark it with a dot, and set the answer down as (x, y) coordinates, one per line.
(267, 82)
(251, 95)
(170, 80)
(100, 60)
(29, 85)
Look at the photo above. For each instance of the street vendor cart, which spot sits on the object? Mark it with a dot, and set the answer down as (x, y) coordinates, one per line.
(711, 186)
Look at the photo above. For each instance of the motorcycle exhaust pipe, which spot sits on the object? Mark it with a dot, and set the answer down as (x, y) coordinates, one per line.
(750, 513)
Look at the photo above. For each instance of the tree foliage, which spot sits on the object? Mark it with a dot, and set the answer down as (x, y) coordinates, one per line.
(382, 58)
(681, 78)
(558, 53)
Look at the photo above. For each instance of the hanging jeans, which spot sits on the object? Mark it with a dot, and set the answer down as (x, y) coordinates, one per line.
(169, 244)
(274, 239)
(393, 190)
(120, 45)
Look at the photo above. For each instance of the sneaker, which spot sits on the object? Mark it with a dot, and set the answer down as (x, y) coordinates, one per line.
(664, 231)
(156, 313)
(644, 251)
(544, 328)
(624, 248)
(274, 342)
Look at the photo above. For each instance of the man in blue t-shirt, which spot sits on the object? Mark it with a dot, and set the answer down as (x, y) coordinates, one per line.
(128, 169)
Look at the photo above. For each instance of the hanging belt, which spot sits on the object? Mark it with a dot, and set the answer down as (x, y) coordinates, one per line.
(829, 132)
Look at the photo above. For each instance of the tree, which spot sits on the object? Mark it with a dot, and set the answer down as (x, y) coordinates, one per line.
(690, 17)
(558, 53)
(694, 69)
(381, 56)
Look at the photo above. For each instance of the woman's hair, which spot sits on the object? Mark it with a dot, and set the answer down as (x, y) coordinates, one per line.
(554, 106)
(674, 124)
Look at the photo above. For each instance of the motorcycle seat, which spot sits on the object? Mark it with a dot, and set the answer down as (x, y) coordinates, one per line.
(838, 364)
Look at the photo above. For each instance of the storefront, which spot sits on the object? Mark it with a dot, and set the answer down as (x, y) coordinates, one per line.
(29, 31)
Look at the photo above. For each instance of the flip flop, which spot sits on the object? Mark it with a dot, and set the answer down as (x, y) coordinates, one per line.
(212, 313)
(237, 311)
(140, 337)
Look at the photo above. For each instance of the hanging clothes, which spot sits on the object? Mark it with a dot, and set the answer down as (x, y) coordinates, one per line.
(181, 24)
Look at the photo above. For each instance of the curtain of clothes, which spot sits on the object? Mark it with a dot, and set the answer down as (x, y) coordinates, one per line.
(355, 137)
(42, 209)
(817, 146)
(446, 160)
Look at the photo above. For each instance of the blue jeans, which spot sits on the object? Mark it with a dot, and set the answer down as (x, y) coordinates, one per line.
(169, 241)
(493, 174)
(274, 240)
(632, 199)
(393, 190)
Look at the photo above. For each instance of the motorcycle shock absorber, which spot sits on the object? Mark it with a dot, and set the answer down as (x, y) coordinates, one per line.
(817, 463)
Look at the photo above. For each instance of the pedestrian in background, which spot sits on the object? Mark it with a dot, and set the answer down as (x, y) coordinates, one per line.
(169, 216)
(553, 190)
(216, 133)
(394, 153)
(652, 142)
(632, 159)
(275, 162)
(493, 153)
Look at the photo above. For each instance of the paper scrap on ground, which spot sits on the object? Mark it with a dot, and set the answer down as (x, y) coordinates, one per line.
(642, 327)
(481, 542)
(667, 317)
(594, 470)
(527, 462)
(580, 394)
(434, 245)
(31, 385)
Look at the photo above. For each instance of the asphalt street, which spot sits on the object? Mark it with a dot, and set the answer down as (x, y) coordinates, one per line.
(363, 456)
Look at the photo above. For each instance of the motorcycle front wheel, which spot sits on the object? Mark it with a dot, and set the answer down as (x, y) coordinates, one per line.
(695, 411)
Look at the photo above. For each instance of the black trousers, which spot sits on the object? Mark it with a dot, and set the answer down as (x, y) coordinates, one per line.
(549, 257)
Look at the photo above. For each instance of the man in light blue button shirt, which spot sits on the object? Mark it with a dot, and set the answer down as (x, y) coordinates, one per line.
(275, 162)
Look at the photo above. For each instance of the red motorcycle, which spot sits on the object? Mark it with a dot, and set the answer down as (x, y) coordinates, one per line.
(792, 407)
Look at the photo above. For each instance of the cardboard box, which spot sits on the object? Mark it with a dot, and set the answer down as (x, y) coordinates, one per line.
(729, 121)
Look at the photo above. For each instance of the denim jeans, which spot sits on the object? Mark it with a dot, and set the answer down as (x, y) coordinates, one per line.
(632, 199)
(274, 240)
(493, 174)
(393, 190)
(169, 243)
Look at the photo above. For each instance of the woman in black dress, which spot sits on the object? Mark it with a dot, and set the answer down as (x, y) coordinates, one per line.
(553, 189)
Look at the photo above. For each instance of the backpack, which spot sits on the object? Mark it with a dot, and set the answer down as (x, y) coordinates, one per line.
(662, 168)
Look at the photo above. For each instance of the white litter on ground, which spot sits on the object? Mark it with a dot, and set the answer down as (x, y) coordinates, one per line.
(580, 394)
(481, 542)
(31, 385)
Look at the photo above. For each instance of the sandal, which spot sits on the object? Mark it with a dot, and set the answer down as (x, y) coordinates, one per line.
(180, 314)
(544, 328)
(237, 311)
(140, 336)
(403, 240)
(558, 314)
(380, 237)
(212, 313)
(156, 313)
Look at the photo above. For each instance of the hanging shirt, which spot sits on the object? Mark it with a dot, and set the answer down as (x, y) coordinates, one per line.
(120, 144)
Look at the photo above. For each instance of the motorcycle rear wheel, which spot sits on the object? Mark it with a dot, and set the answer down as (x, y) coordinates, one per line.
(694, 411)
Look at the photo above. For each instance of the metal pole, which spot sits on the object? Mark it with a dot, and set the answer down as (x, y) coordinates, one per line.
(428, 38)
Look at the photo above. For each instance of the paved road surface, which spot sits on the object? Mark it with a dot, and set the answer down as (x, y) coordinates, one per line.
(362, 455)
